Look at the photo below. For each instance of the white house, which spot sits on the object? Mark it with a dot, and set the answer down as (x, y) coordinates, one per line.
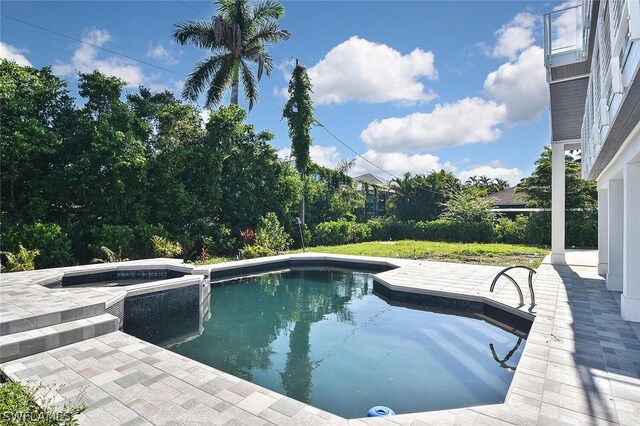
(592, 55)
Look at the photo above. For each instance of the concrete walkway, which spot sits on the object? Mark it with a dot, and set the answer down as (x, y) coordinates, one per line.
(580, 365)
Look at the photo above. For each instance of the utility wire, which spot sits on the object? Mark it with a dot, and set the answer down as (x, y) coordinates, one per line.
(188, 5)
(354, 151)
(90, 44)
(370, 162)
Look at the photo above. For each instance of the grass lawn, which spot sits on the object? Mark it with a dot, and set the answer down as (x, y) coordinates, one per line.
(476, 253)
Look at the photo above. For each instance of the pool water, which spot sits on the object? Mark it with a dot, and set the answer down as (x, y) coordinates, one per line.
(324, 338)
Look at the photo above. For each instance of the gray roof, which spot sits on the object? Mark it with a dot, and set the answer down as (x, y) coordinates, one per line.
(508, 197)
(371, 180)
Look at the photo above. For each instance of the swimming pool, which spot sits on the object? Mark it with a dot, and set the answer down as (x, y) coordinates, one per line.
(329, 339)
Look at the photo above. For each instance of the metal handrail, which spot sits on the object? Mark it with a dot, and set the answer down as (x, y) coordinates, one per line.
(504, 272)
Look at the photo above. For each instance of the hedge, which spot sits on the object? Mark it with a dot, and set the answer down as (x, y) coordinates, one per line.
(581, 230)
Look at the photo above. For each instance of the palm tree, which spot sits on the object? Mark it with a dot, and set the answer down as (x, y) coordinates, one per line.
(236, 36)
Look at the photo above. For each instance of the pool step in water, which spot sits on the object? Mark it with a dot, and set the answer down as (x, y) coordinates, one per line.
(18, 345)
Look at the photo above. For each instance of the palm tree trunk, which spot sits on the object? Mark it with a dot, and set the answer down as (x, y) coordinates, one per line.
(235, 83)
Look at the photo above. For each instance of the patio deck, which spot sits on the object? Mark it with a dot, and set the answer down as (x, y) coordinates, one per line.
(581, 363)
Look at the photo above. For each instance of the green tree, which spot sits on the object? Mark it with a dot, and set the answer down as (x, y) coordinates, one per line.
(466, 206)
(581, 203)
(331, 196)
(579, 193)
(421, 197)
(484, 185)
(299, 113)
(33, 104)
(236, 36)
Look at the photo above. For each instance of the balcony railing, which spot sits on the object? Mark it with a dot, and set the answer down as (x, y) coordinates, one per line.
(565, 36)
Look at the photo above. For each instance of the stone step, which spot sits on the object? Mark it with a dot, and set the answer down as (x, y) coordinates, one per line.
(34, 322)
(25, 343)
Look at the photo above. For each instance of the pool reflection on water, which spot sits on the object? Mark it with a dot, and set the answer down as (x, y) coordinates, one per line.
(325, 338)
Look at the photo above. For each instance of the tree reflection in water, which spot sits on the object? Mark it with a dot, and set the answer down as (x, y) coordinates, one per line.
(248, 314)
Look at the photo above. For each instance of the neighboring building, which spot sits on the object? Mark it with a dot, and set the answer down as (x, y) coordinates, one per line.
(509, 203)
(375, 191)
(592, 55)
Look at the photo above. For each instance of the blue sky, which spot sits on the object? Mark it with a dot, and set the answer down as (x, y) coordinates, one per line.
(412, 86)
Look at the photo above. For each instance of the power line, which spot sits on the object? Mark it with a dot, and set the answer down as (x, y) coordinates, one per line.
(90, 44)
(188, 5)
(354, 151)
(369, 161)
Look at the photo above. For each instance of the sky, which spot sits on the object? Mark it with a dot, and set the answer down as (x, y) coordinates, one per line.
(409, 86)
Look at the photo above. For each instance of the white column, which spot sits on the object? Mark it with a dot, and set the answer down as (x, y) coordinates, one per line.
(616, 232)
(603, 237)
(557, 204)
(631, 264)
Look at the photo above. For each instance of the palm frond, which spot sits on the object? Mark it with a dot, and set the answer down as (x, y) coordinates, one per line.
(268, 33)
(267, 10)
(195, 33)
(220, 82)
(249, 84)
(201, 75)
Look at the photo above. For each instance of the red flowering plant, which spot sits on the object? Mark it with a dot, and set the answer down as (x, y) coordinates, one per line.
(249, 236)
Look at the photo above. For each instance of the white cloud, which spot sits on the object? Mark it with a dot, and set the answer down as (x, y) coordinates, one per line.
(364, 71)
(398, 163)
(13, 54)
(469, 120)
(494, 169)
(85, 59)
(515, 36)
(162, 54)
(521, 86)
(325, 156)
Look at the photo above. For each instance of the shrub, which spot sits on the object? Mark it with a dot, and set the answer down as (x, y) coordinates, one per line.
(467, 206)
(453, 231)
(512, 231)
(164, 248)
(21, 400)
(271, 234)
(109, 256)
(251, 252)
(22, 260)
(391, 230)
(341, 232)
(53, 244)
(582, 229)
(249, 236)
(119, 236)
(141, 246)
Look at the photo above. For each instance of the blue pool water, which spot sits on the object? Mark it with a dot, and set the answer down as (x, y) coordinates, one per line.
(325, 338)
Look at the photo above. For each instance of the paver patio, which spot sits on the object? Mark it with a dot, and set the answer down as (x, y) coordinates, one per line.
(580, 365)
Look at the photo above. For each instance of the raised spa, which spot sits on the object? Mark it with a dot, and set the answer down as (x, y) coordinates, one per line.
(330, 339)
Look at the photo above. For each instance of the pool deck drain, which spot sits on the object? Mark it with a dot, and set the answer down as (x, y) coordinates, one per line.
(581, 363)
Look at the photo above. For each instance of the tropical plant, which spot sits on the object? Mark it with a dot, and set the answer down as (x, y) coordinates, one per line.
(236, 36)
(421, 197)
(485, 185)
(34, 404)
(465, 206)
(110, 256)
(299, 113)
(22, 260)
(271, 233)
(164, 248)
(251, 252)
(49, 238)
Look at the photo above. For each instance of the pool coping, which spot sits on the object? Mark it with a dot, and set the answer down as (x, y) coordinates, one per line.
(524, 403)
